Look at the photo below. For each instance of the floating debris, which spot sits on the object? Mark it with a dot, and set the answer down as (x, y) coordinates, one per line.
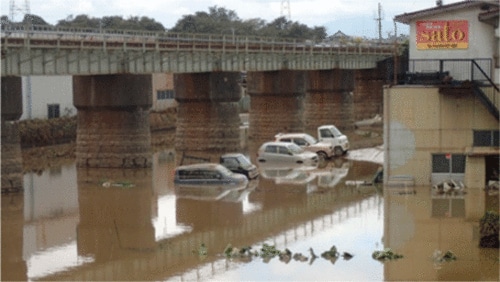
(124, 184)
(202, 251)
(331, 255)
(439, 257)
(449, 187)
(245, 252)
(347, 256)
(386, 254)
(285, 256)
(492, 187)
(300, 257)
(489, 228)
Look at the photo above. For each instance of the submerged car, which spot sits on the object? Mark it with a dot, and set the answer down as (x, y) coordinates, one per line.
(331, 134)
(207, 174)
(285, 152)
(309, 143)
(238, 163)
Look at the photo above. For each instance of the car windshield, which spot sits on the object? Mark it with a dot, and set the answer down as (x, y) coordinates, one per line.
(225, 171)
(309, 139)
(244, 162)
(295, 149)
(336, 132)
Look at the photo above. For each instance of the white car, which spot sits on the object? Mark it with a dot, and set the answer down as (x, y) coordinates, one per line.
(308, 143)
(280, 152)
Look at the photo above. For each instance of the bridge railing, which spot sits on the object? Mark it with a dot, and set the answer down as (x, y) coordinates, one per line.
(231, 42)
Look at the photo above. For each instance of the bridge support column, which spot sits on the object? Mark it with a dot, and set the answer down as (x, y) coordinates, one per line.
(276, 104)
(113, 120)
(328, 99)
(368, 93)
(207, 115)
(12, 109)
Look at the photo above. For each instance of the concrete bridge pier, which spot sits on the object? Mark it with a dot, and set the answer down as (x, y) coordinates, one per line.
(276, 104)
(113, 120)
(12, 109)
(368, 93)
(207, 114)
(328, 99)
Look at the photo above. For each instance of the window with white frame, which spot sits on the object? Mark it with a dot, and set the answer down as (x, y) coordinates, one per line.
(165, 94)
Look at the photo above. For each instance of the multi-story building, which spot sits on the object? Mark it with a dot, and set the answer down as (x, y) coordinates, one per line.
(443, 123)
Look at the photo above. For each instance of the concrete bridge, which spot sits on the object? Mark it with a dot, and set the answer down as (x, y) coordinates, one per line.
(294, 86)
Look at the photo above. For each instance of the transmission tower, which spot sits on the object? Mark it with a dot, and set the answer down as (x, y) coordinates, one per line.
(285, 9)
(16, 9)
(379, 19)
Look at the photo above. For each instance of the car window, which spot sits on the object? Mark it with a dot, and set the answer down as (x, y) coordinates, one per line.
(271, 149)
(295, 149)
(244, 161)
(336, 132)
(283, 150)
(230, 162)
(286, 140)
(309, 139)
(326, 133)
(300, 142)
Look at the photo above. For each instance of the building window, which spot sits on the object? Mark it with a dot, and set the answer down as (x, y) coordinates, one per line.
(448, 163)
(53, 111)
(485, 138)
(165, 94)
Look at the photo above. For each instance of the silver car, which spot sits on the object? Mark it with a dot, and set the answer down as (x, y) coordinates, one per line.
(208, 174)
(285, 152)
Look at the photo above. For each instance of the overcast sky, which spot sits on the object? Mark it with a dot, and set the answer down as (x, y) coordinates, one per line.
(353, 17)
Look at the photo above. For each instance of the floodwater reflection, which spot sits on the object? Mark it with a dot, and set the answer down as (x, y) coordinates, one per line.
(99, 224)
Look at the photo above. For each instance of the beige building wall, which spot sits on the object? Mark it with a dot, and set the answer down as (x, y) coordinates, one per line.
(162, 81)
(419, 121)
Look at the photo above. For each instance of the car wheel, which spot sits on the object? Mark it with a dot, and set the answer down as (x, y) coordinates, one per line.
(322, 155)
(338, 151)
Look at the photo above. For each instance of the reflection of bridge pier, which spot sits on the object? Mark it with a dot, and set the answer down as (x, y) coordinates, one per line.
(12, 109)
(113, 120)
(115, 213)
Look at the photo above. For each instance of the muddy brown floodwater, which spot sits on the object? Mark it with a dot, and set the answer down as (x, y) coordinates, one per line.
(104, 224)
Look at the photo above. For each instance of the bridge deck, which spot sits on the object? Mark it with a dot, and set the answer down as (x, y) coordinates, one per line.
(52, 51)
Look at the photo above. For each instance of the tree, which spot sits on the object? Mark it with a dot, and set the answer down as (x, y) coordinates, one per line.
(222, 21)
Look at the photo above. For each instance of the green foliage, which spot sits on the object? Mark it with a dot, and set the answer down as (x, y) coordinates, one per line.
(218, 20)
(222, 21)
(386, 254)
(111, 22)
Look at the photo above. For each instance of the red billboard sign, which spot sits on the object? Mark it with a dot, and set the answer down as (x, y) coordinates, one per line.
(442, 34)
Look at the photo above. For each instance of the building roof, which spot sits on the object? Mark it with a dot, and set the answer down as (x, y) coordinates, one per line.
(490, 16)
(406, 18)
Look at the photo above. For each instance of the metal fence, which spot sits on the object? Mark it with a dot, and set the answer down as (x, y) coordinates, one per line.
(479, 70)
